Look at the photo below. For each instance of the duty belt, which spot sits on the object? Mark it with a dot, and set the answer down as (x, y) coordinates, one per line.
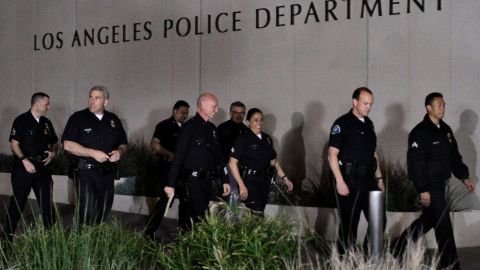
(253, 172)
(199, 173)
(38, 158)
(357, 169)
(85, 165)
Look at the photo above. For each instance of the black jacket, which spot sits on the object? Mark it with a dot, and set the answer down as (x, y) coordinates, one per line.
(433, 155)
(197, 148)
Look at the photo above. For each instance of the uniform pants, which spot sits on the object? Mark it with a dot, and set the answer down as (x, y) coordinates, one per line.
(194, 201)
(94, 192)
(436, 217)
(258, 188)
(156, 217)
(22, 183)
(349, 210)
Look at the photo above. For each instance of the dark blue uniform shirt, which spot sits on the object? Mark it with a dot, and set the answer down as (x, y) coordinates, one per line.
(197, 149)
(167, 132)
(227, 133)
(105, 135)
(433, 155)
(253, 152)
(355, 139)
(34, 137)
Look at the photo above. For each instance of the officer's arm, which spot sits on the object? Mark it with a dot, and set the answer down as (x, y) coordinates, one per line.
(333, 163)
(181, 148)
(233, 165)
(242, 188)
(283, 175)
(159, 149)
(15, 145)
(459, 169)
(115, 155)
(417, 155)
(50, 154)
(79, 150)
(378, 174)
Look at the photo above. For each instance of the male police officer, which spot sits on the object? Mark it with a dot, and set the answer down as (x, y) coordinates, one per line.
(198, 160)
(163, 144)
(227, 133)
(97, 140)
(431, 158)
(34, 143)
(354, 164)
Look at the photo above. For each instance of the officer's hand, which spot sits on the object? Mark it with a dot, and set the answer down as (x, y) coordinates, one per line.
(29, 167)
(243, 192)
(226, 190)
(342, 188)
(288, 183)
(49, 158)
(425, 198)
(114, 156)
(99, 155)
(469, 184)
(169, 191)
(381, 185)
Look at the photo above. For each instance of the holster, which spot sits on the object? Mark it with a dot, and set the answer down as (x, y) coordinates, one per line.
(355, 174)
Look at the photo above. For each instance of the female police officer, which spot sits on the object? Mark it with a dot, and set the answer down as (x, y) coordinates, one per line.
(252, 158)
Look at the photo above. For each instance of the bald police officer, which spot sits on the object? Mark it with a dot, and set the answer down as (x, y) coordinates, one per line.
(198, 160)
(354, 163)
(33, 142)
(97, 140)
(431, 159)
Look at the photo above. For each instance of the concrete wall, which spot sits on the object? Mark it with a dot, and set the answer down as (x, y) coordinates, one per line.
(300, 75)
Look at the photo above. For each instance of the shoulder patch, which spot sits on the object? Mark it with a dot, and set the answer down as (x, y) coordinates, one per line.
(336, 130)
(232, 150)
(414, 145)
(14, 131)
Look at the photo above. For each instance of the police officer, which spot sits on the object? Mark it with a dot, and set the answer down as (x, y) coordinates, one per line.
(163, 144)
(34, 143)
(354, 163)
(431, 158)
(197, 161)
(228, 131)
(252, 161)
(97, 140)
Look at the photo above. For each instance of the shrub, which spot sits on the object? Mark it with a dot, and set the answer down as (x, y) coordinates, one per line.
(106, 246)
(223, 243)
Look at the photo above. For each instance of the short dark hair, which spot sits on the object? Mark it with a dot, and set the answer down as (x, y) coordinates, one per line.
(237, 104)
(430, 97)
(358, 91)
(38, 96)
(180, 103)
(253, 111)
